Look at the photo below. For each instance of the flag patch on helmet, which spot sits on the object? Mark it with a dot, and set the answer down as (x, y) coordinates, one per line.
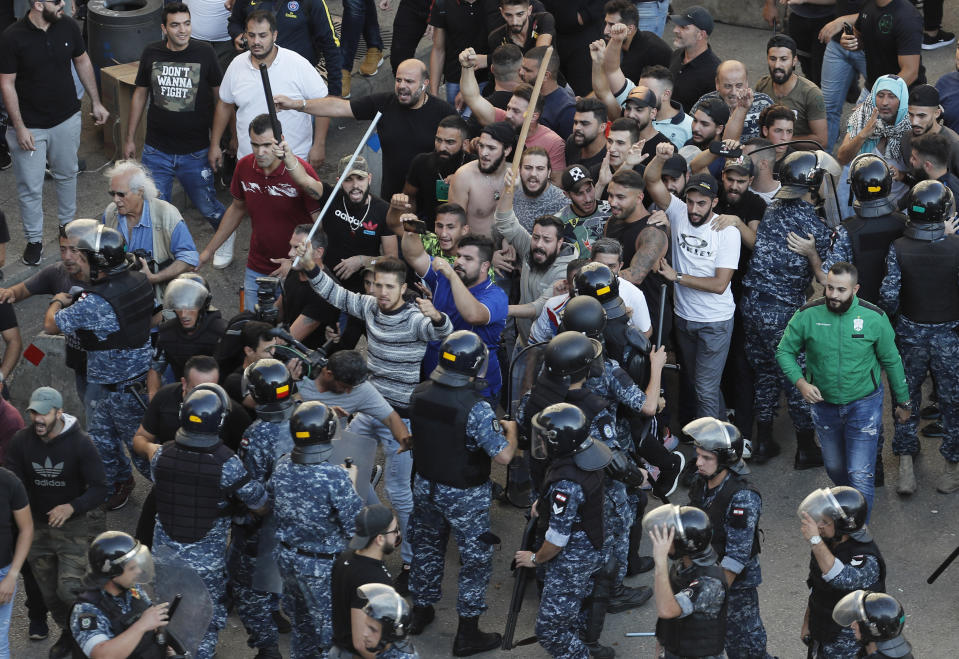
(303, 434)
(738, 511)
(448, 356)
(283, 392)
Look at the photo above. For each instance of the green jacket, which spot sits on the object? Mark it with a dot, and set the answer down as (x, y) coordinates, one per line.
(843, 352)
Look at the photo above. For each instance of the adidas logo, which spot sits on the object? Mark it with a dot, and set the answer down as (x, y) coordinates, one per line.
(48, 469)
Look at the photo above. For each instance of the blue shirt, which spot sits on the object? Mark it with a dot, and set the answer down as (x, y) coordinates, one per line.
(490, 296)
(182, 246)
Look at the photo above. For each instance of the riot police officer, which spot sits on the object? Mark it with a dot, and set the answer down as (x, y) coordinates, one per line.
(315, 504)
(197, 479)
(864, 238)
(779, 273)
(877, 620)
(571, 511)
(844, 558)
(196, 329)
(624, 343)
(455, 436)
(114, 612)
(387, 622)
(692, 622)
(269, 384)
(734, 506)
(922, 285)
(111, 319)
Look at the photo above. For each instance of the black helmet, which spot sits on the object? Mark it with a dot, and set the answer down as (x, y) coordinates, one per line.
(570, 354)
(187, 291)
(312, 423)
(719, 437)
(202, 414)
(598, 281)
(586, 315)
(803, 171)
(463, 355)
(880, 616)
(930, 202)
(845, 505)
(870, 177)
(104, 248)
(270, 385)
(109, 554)
(390, 609)
(693, 531)
(561, 430)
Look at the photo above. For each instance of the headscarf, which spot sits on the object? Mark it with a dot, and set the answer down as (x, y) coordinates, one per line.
(892, 132)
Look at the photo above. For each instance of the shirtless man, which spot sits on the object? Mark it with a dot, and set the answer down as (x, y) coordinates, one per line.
(478, 185)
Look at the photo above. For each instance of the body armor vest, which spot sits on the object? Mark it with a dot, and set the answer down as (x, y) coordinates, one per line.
(147, 648)
(131, 296)
(438, 416)
(591, 514)
(929, 271)
(870, 240)
(694, 635)
(179, 345)
(824, 596)
(720, 506)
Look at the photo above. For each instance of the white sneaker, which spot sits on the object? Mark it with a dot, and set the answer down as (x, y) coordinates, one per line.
(223, 256)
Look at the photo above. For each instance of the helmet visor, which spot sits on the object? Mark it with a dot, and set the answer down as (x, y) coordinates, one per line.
(821, 505)
(850, 609)
(140, 565)
(184, 294)
(666, 515)
(539, 440)
(83, 234)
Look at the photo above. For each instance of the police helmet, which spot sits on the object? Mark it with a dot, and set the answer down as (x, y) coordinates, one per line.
(202, 415)
(104, 248)
(269, 384)
(312, 423)
(586, 315)
(930, 202)
(562, 430)
(842, 504)
(390, 609)
(463, 355)
(803, 171)
(598, 281)
(187, 291)
(880, 616)
(111, 552)
(870, 177)
(719, 437)
(570, 354)
(692, 530)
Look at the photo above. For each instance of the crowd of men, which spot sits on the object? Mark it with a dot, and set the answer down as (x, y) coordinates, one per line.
(487, 301)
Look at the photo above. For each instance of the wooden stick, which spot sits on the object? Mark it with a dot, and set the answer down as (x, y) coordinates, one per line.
(521, 142)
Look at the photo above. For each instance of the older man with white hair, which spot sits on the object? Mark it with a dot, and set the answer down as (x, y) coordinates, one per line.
(148, 223)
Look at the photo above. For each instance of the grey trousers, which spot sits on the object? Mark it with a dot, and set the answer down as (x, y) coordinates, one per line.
(704, 347)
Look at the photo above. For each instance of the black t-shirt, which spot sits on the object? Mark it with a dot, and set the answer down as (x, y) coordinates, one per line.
(162, 417)
(427, 174)
(181, 96)
(888, 33)
(627, 234)
(574, 155)
(466, 25)
(646, 49)
(540, 23)
(299, 298)
(750, 208)
(352, 231)
(52, 279)
(350, 571)
(403, 133)
(41, 59)
(695, 78)
(13, 497)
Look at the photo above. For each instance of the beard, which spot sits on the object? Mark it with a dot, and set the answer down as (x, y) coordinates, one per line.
(780, 76)
(358, 204)
(492, 168)
(530, 192)
(696, 219)
(50, 16)
(464, 276)
(839, 307)
(546, 264)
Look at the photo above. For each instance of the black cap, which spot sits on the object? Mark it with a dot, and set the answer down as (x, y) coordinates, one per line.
(703, 184)
(573, 176)
(743, 164)
(642, 96)
(695, 15)
(716, 109)
(925, 96)
(371, 522)
(676, 166)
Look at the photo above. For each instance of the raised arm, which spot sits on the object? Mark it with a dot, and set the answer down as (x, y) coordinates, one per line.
(412, 246)
(653, 175)
(597, 53)
(614, 56)
(437, 59)
(482, 109)
(328, 106)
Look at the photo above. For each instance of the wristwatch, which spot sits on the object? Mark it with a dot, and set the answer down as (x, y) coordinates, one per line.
(679, 277)
(815, 540)
(532, 558)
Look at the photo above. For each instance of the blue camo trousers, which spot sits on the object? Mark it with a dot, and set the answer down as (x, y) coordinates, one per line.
(568, 581)
(745, 633)
(112, 419)
(254, 607)
(764, 322)
(438, 509)
(306, 588)
(844, 646)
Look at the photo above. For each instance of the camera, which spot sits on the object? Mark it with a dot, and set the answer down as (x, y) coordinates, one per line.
(266, 309)
(313, 360)
(141, 253)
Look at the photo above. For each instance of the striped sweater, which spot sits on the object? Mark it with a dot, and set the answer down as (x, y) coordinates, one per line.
(396, 340)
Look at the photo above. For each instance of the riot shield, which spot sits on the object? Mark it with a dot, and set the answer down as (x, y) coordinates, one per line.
(175, 577)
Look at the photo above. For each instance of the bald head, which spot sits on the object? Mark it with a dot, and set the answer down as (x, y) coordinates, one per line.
(731, 80)
(412, 81)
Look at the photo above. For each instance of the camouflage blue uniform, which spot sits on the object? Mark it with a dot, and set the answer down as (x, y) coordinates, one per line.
(393, 652)
(89, 633)
(775, 287)
(315, 507)
(840, 250)
(568, 575)
(208, 555)
(925, 347)
(849, 578)
(112, 416)
(705, 595)
(262, 444)
(745, 633)
(439, 508)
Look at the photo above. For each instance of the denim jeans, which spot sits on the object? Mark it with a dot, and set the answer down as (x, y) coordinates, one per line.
(56, 146)
(704, 347)
(849, 435)
(5, 611)
(839, 68)
(359, 16)
(195, 175)
(652, 16)
(398, 470)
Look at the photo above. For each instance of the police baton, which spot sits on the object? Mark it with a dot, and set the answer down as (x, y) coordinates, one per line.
(339, 182)
(270, 105)
(942, 567)
(640, 634)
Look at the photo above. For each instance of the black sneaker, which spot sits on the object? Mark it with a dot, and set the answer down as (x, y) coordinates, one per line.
(940, 39)
(38, 630)
(5, 160)
(402, 581)
(32, 253)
